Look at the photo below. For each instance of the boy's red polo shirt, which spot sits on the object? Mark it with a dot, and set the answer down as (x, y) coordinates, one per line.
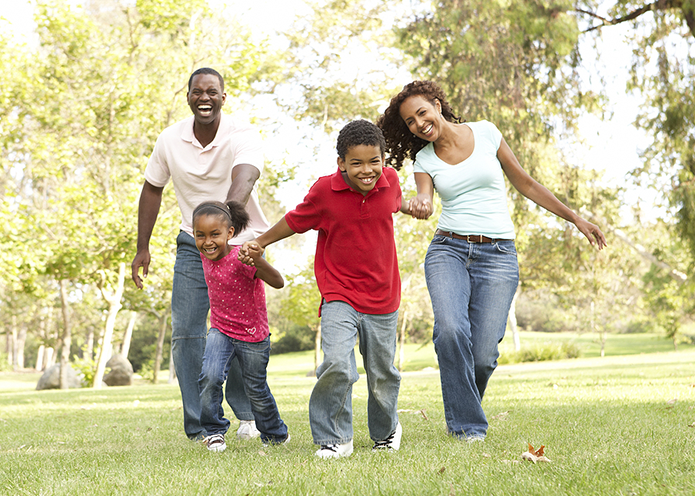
(356, 258)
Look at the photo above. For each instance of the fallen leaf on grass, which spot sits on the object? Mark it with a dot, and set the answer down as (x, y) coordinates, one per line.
(534, 455)
(421, 412)
(501, 416)
(441, 470)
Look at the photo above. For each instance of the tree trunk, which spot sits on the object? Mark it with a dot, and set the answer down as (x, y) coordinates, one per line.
(89, 349)
(128, 336)
(66, 340)
(9, 345)
(50, 359)
(160, 345)
(39, 358)
(13, 349)
(317, 348)
(19, 347)
(512, 320)
(401, 342)
(172, 369)
(114, 302)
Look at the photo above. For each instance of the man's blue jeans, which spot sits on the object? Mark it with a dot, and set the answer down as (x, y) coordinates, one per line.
(471, 286)
(189, 313)
(330, 406)
(220, 350)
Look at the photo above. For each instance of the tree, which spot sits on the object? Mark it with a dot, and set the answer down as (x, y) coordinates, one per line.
(109, 76)
(662, 72)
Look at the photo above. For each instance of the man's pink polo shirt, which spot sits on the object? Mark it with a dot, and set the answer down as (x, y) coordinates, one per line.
(356, 258)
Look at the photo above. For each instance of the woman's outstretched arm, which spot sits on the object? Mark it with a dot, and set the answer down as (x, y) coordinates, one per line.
(539, 194)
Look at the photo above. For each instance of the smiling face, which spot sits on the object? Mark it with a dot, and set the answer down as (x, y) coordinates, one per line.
(423, 119)
(205, 98)
(362, 167)
(211, 235)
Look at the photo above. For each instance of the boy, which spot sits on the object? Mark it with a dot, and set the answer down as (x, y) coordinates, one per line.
(357, 274)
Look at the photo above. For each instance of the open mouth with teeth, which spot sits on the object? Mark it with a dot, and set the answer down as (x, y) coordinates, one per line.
(210, 252)
(366, 180)
(205, 109)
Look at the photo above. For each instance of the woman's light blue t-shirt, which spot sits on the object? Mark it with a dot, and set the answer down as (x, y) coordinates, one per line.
(473, 192)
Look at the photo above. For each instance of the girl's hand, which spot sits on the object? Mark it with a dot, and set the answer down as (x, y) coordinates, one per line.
(254, 250)
(246, 252)
(592, 233)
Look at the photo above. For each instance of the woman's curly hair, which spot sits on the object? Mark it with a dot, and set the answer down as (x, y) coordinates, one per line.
(400, 142)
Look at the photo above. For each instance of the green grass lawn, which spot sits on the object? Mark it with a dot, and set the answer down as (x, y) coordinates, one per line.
(615, 425)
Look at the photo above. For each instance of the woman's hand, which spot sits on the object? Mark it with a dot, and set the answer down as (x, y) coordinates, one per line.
(592, 233)
(420, 207)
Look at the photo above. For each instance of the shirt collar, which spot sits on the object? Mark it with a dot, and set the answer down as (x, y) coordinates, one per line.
(339, 184)
(188, 136)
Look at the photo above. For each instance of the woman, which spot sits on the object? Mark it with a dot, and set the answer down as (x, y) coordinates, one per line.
(471, 266)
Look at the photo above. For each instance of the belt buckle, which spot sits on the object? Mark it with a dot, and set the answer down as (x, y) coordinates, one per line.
(468, 238)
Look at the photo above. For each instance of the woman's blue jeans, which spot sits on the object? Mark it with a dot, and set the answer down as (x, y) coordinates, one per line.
(189, 313)
(220, 351)
(330, 406)
(471, 286)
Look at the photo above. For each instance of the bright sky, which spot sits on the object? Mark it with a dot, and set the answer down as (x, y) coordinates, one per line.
(613, 144)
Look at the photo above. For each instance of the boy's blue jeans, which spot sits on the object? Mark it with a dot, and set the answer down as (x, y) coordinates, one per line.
(220, 350)
(189, 313)
(471, 286)
(330, 406)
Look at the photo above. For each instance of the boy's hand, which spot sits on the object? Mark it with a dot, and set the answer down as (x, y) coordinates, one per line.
(249, 252)
(420, 207)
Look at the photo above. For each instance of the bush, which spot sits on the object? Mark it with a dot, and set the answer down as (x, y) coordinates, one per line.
(293, 338)
(5, 366)
(541, 352)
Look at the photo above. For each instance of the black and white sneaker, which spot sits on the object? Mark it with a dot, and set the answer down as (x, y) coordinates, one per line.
(335, 450)
(215, 442)
(391, 443)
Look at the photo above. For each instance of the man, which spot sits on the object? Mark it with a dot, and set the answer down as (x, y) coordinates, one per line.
(209, 157)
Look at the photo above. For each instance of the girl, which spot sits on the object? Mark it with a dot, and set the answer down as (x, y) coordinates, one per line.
(239, 323)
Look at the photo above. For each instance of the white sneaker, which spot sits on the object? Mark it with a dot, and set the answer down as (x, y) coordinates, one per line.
(247, 430)
(391, 443)
(335, 450)
(215, 442)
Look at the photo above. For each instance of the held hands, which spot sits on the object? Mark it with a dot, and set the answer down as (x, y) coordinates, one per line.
(250, 252)
(592, 232)
(420, 207)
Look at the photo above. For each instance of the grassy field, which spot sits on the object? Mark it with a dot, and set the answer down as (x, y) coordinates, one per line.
(621, 425)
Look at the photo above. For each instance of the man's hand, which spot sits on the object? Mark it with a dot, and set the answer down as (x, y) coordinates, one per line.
(142, 259)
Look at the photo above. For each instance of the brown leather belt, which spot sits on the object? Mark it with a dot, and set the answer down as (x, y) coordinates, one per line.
(471, 238)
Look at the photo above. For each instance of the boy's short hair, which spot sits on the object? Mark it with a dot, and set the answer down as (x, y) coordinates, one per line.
(360, 132)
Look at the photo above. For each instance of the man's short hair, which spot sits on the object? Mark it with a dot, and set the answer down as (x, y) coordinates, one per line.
(206, 70)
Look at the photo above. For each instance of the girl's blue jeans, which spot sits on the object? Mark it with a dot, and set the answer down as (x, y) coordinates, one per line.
(471, 286)
(330, 406)
(220, 350)
(189, 313)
